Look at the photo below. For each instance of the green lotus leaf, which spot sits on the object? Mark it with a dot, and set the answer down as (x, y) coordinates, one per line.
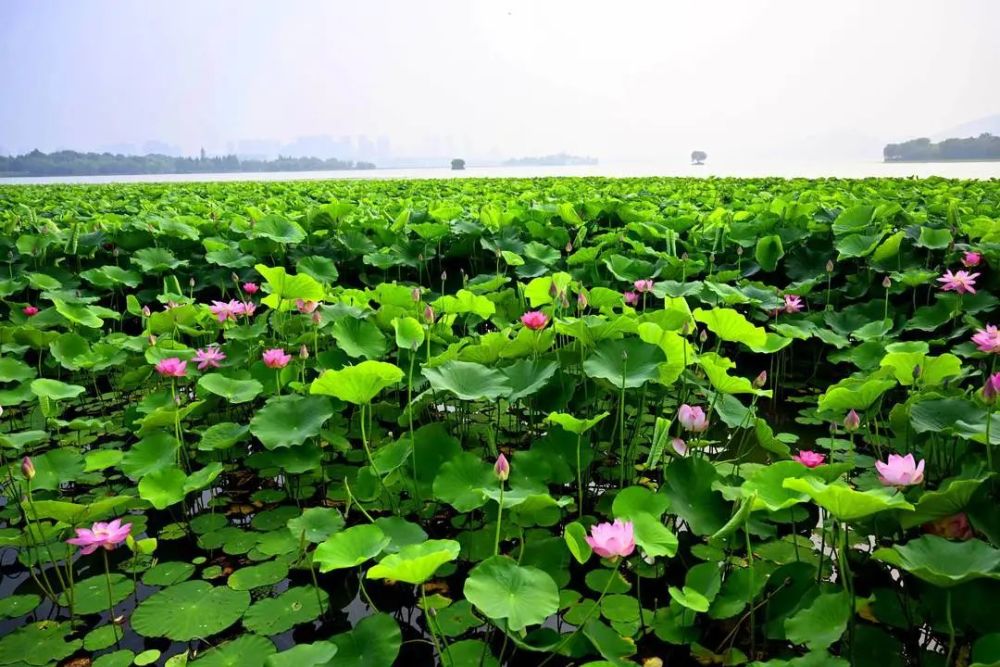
(257, 576)
(55, 390)
(730, 325)
(235, 391)
(575, 535)
(189, 610)
(287, 421)
(285, 288)
(90, 595)
(468, 381)
(409, 333)
(846, 503)
(943, 563)
(463, 480)
(317, 654)
(574, 424)
(624, 363)
(272, 616)
(821, 623)
(503, 590)
(350, 547)
(374, 642)
(768, 251)
(948, 500)
(244, 651)
(41, 643)
(316, 524)
(415, 563)
(359, 338)
(357, 384)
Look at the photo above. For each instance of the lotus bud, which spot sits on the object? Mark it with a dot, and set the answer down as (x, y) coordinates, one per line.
(317, 318)
(887, 282)
(415, 295)
(444, 276)
(429, 314)
(852, 422)
(146, 312)
(703, 336)
(27, 468)
(191, 281)
(760, 380)
(1, 411)
(686, 329)
(991, 389)
(565, 301)
(304, 352)
(236, 278)
(502, 468)
(652, 662)
(115, 252)
(569, 246)
(581, 300)
(684, 256)
(829, 266)
(739, 250)
(917, 371)
(152, 340)
(553, 290)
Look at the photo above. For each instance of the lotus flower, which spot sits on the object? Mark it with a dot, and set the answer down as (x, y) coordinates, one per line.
(276, 358)
(30, 311)
(224, 310)
(809, 459)
(900, 471)
(27, 468)
(106, 535)
(988, 339)
(245, 308)
(251, 288)
(172, 367)
(535, 320)
(971, 258)
(208, 357)
(692, 418)
(611, 540)
(502, 468)
(991, 389)
(793, 303)
(955, 527)
(852, 422)
(643, 286)
(961, 281)
(631, 298)
(306, 307)
(679, 446)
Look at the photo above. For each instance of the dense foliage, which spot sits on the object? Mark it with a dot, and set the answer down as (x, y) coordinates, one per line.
(984, 147)
(524, 422)
(72, 163)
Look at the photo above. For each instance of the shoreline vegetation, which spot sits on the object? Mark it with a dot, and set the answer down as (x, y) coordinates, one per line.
(557, 160)
(74, 163)
(984, 148)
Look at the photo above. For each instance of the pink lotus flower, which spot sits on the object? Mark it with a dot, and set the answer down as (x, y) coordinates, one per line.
(30, 311)
(793, 303)
(631, 298)
(643, 286)
(276, 358)
(208, 357)
(900, 471)
(245, 308)
(852, 422)
(502, 468)
(535, 320)
(692, 418)
(988, 339)
(611, 540)
(991, 389)
(224, 310)
(955, 527)
(251, 288)
(679, 446)
(971, 259)
(961, 281)
(106, 535)
(306, 307)
(172, 367)
(809, 459)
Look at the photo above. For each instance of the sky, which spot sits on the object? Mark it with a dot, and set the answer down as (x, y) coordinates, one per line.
(624, 80)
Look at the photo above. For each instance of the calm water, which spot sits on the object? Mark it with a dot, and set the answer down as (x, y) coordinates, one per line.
(784, 168)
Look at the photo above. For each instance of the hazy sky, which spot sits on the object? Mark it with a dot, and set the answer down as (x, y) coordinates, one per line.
(615, 79)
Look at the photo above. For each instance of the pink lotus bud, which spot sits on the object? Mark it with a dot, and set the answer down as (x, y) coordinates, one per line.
(535, 320)
(502, 468)
(992, 388)
(317, 318)
(569, 246)
(971, 259)
(703, 336)
(679, 446)
(829, 266)
(27, 468)
(306, 307)
(739, 250)
(429, 315)
(553, 290)
(581, 300)
(631, 298)
(304, 352)
(415, 294)
(146, 312)
(760, 380)
(852, 422)
(809, 458)
(276, 358)
(30, 311)
(152, 340)
(887, 282)
(251, 288)
(693, 419)
(643, 286)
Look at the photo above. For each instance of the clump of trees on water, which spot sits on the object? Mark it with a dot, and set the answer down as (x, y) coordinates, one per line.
(73, 163)
(698, 157)
(984, 147)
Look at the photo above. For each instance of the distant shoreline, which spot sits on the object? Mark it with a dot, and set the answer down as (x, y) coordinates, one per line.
(944, 160)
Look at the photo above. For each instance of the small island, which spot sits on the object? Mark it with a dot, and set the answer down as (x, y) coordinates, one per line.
(985, 147)
(557, 160)
(457, 164)
(73, 163)
(698, 157)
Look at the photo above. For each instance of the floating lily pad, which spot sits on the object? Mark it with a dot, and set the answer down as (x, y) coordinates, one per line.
(244, 651)
(350, 547)
(189, 610)
(944, 563)
(272, 616)
(504, 590)
(286, 421)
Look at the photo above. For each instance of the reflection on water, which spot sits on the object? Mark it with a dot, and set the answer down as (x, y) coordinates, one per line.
(745, 169)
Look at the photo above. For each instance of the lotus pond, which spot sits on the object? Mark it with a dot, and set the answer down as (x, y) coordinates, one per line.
(500, 422)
